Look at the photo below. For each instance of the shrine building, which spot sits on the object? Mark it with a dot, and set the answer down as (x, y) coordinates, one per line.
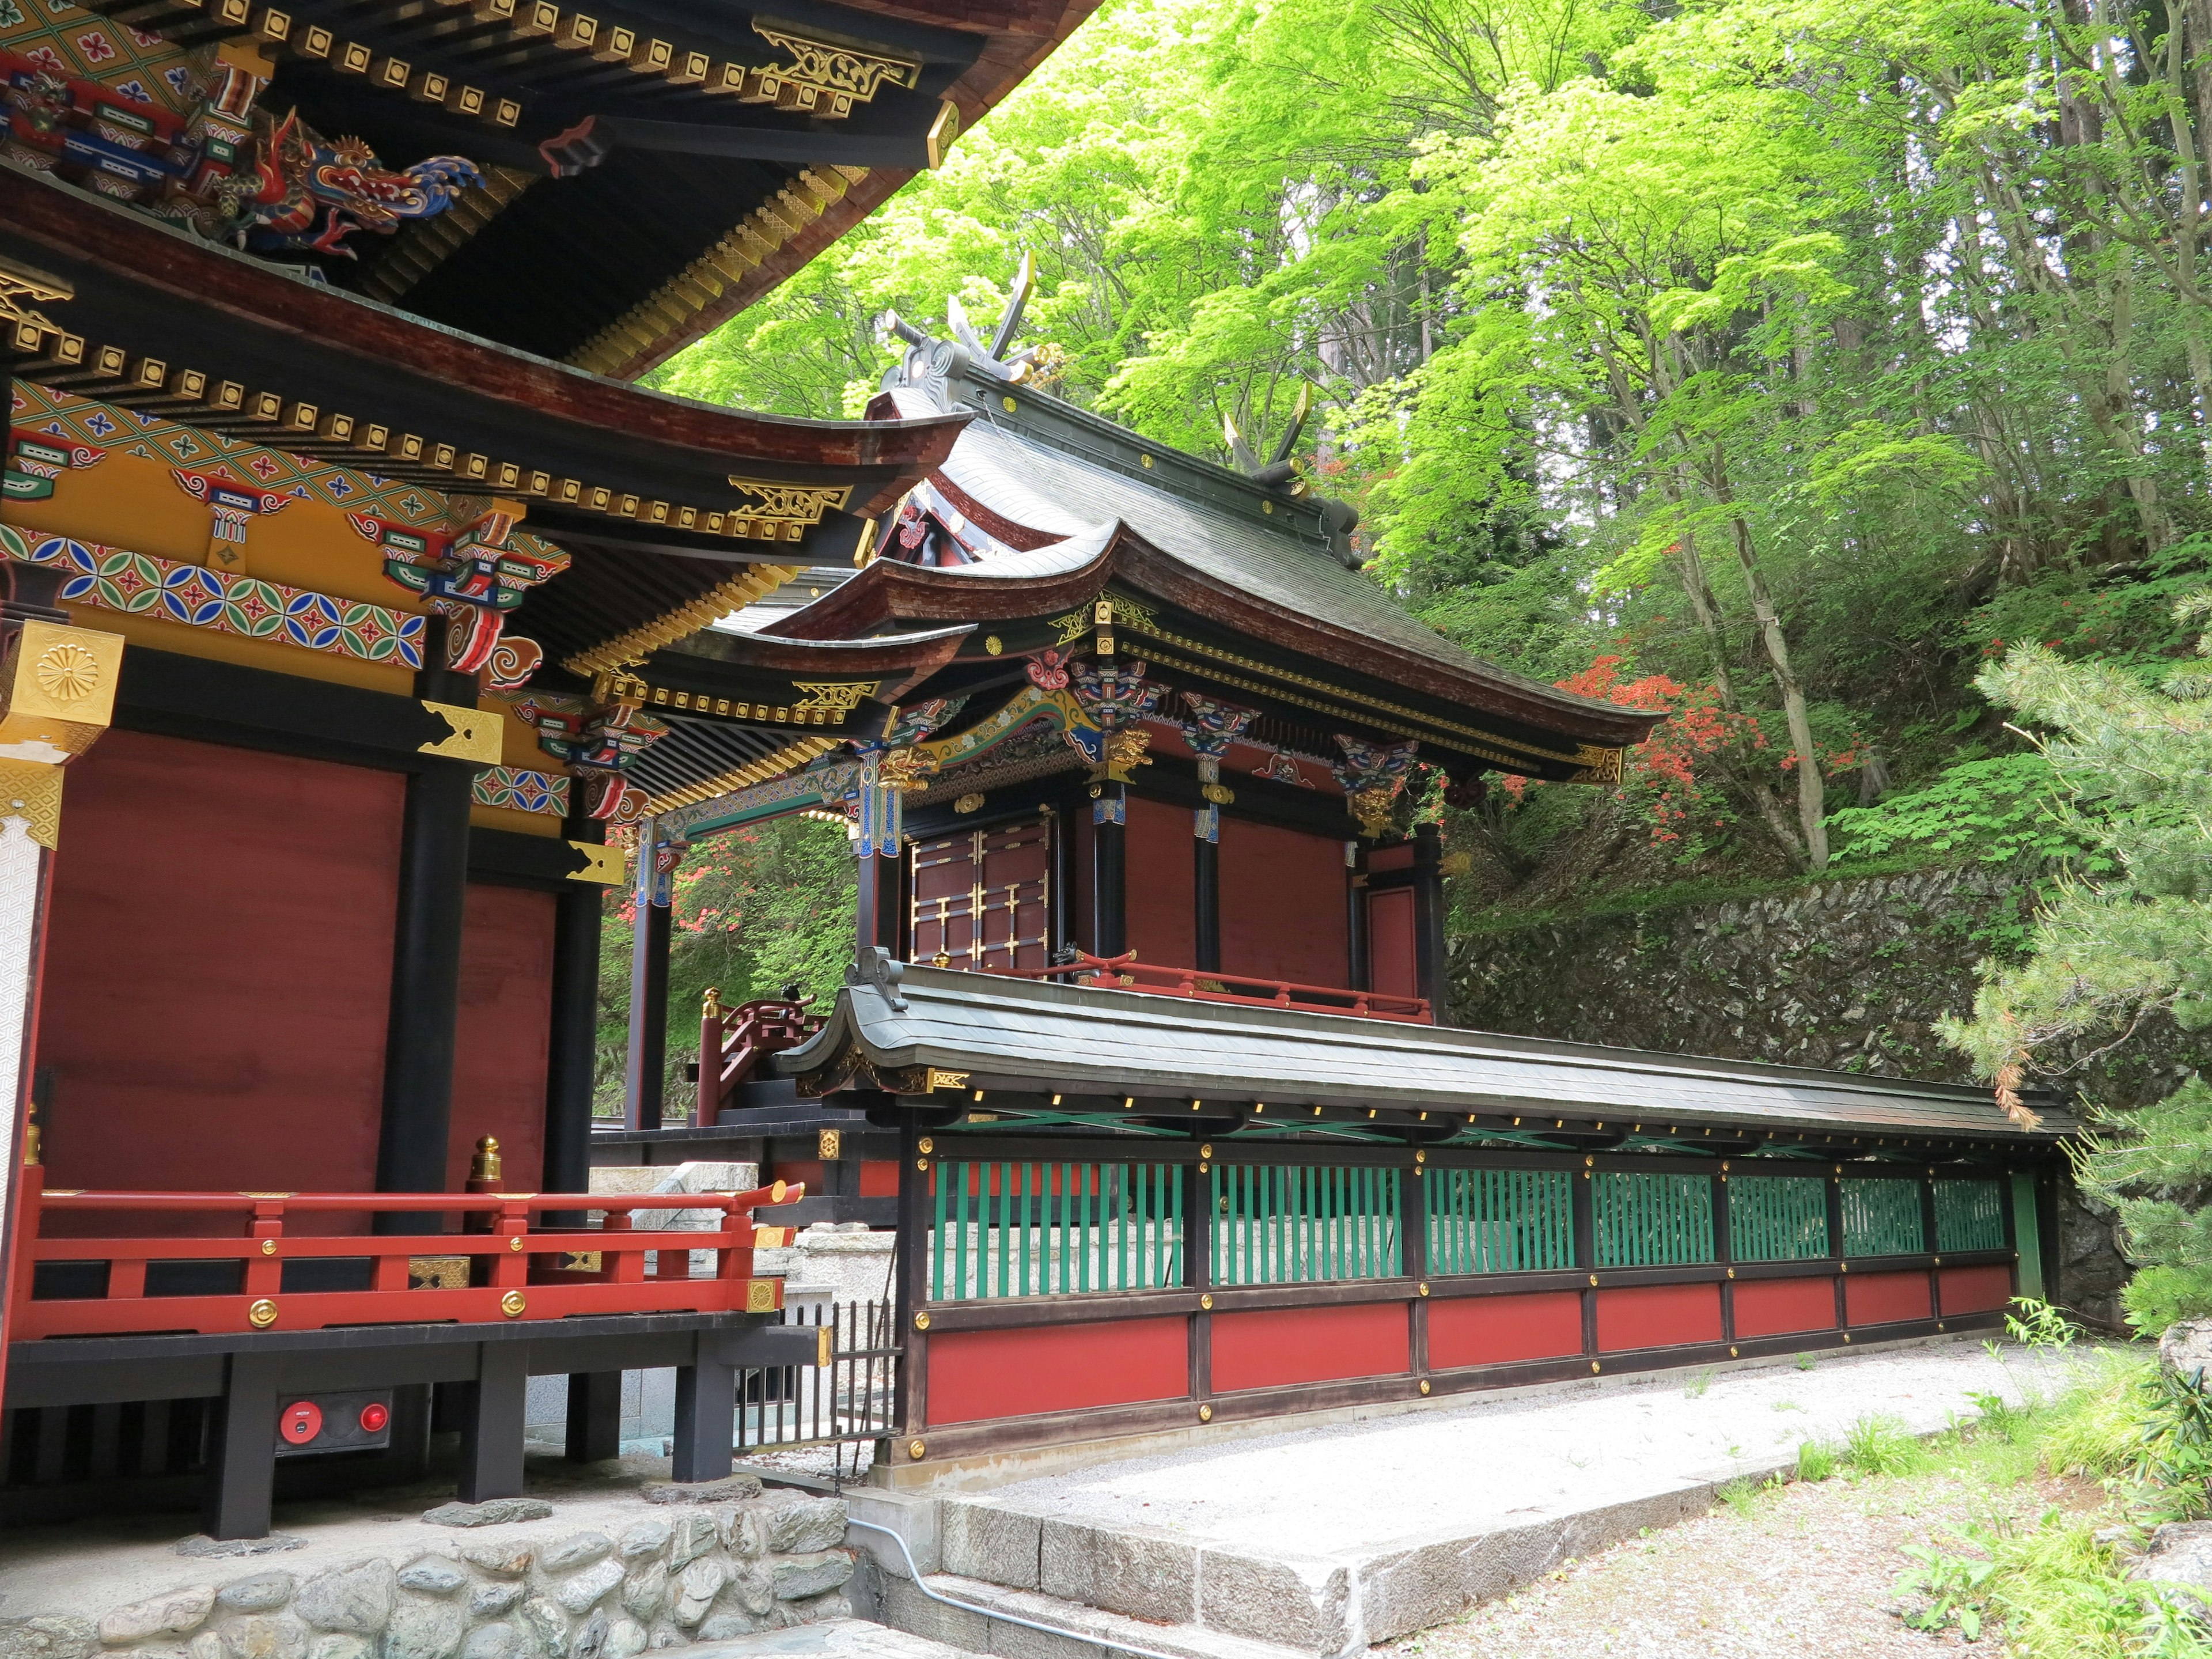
(1147, 1054)
(334, 531)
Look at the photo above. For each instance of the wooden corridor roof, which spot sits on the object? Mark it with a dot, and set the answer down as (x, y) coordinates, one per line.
(901, 1022)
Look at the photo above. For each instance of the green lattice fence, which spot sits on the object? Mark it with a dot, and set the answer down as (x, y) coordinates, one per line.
(1500, 1221)
(1282, 1225)
(1969, 1215)
(1008, 1228)
(1881, 1216)
(1778, 1217)
(1652, 1220)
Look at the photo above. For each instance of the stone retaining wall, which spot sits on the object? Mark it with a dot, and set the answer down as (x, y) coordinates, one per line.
(666, 1579)
(1851, 973)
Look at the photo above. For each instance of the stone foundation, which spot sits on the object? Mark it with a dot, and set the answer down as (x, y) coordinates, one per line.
(661, 1576)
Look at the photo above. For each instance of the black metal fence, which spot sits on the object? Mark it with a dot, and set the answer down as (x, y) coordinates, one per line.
(843, 1406)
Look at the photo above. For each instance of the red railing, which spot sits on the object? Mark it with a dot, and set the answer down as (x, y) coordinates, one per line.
(1206, 985)
(731, 1042)
(498, 1268)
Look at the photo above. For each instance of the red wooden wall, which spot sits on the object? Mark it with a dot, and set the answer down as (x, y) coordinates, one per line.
(1160, 885)
(506, 1017)
(1490, 1330)
(1275, 1346)
(976, 1374)
(1777, 1307)
(1392, 966)
(1282, 904)
(219, 968)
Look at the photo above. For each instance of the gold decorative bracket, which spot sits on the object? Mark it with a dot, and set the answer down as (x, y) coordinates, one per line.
(830, 72)
(21, 283)
(61, 691)
(474, 736)
(799, 505)
(603, 864)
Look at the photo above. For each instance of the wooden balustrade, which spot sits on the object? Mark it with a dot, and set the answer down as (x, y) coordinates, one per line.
(1126, 973)
(499, 1267)
(732, 1041)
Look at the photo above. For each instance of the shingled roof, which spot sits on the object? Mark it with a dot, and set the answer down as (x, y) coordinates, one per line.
(1017, 1035)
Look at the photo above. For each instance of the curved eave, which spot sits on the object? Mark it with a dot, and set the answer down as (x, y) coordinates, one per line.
(903, 659)
(320, 345)
(1022, 38)
(888, 591)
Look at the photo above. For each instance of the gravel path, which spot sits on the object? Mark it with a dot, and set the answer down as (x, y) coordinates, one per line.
(1809, 1570)
(1461, 1470)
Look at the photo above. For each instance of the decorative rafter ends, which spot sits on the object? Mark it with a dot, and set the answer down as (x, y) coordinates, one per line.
(429, 243)
(51, 357)
(768, 765)
(639, 643)
(278, 28)
(669, 310)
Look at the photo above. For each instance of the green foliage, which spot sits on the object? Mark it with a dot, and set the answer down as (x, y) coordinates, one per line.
(2123, 615)
(2132, 937)
(1816, 1460)
(2051, 1589)
(756, 910)
(1880, 1445)
(1736, 341)
(1989, 811)
(2150, 1164)
(1954, 1586)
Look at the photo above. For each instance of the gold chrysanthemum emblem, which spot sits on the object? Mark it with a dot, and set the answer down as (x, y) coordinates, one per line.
(68, 672)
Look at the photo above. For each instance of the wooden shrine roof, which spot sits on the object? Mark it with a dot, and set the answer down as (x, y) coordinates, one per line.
(163, 322)
(1018, 1035)
(651, 167)
(1076, 501)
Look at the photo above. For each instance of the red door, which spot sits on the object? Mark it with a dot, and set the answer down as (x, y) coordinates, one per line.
(982, 898)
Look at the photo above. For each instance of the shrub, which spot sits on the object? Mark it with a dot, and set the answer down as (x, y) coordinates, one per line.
(1993, 811)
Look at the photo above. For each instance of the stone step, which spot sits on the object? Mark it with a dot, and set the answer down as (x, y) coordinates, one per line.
(831, 1638)
(1277, 1601)
(1093, 1632)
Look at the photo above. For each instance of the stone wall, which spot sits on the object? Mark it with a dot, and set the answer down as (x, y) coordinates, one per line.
(694, 1572)
(1851, 973)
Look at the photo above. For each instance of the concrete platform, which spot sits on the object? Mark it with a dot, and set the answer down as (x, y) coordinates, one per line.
(1323, 1540)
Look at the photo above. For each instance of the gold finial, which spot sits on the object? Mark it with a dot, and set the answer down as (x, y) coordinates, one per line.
(712, 1008)
(485, 1166)
(31, 1138)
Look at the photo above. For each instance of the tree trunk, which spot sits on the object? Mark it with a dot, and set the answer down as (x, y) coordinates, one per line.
(1811, 789)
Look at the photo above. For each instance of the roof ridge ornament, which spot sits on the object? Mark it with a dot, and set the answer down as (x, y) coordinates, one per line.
(933, 366)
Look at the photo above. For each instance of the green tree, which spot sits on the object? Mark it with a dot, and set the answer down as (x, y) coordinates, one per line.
(2136, 759)
(758, 910)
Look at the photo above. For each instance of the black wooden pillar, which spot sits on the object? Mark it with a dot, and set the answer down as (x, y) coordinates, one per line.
(1206, 888)
(1198, 1209)
(1413, 1233)
(1359, 969)
(1585, 1224)
(911, 1285)
(1109, 864)
(424, 1015)
(1835, 1243)
(1432, 965)
(575, 1026)
(879, 903)
(1725, 1253)
(648, 1068)
(242, 1467)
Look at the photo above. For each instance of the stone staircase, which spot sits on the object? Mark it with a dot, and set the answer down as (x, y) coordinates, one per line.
(1165, 1592)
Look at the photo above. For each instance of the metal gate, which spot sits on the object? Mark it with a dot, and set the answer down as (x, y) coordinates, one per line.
(845, 1405)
